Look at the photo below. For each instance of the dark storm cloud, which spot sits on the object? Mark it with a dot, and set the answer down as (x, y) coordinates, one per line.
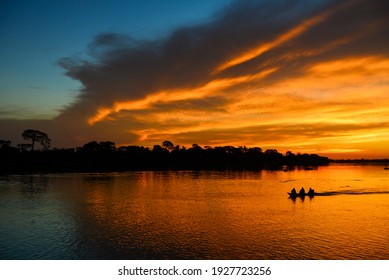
(122, 68)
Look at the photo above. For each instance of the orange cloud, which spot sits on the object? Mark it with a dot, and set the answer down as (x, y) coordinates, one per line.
(372, 65)
(264, 47)
(209, 89)
(333, 107)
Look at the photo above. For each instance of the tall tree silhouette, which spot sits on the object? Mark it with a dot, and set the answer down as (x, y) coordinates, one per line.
(36, 136)
(168, 145)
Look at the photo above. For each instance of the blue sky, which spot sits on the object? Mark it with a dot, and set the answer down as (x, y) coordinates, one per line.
(35, 34)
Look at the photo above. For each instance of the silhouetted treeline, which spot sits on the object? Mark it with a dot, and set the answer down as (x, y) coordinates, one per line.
(105, 156)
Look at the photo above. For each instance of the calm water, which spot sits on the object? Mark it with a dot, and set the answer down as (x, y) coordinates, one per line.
(196, 215)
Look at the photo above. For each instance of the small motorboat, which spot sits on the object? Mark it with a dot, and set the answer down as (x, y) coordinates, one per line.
(301, 195)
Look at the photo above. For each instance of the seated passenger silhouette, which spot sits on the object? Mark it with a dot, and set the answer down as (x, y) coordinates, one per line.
(293, 192)
(311, 192)
(302, 191)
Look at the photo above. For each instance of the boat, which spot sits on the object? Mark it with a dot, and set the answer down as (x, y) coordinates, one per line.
(294, 196)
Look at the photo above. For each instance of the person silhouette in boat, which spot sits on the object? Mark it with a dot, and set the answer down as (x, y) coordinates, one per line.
(302, 192)
(293, 192)
(311, 192)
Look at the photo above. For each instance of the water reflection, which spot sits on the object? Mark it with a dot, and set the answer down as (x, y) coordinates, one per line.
(34, 186)
(33, 224)
(196, 215)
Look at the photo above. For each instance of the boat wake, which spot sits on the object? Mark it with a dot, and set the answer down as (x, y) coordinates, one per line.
(350, 192)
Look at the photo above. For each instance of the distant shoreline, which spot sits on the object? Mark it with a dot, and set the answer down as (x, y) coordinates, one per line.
(105, 157)
(361, 161)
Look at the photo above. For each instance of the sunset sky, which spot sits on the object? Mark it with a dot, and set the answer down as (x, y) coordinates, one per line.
(304, 76)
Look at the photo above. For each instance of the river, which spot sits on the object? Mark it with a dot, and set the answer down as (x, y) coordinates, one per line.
(197, 215)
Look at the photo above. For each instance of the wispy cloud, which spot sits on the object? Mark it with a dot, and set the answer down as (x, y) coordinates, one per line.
(9, 112)
(276, 42)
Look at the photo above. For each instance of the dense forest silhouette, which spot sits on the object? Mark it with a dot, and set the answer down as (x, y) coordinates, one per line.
(104, 156)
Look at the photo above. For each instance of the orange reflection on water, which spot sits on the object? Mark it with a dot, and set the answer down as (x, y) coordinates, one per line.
(218, 215)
